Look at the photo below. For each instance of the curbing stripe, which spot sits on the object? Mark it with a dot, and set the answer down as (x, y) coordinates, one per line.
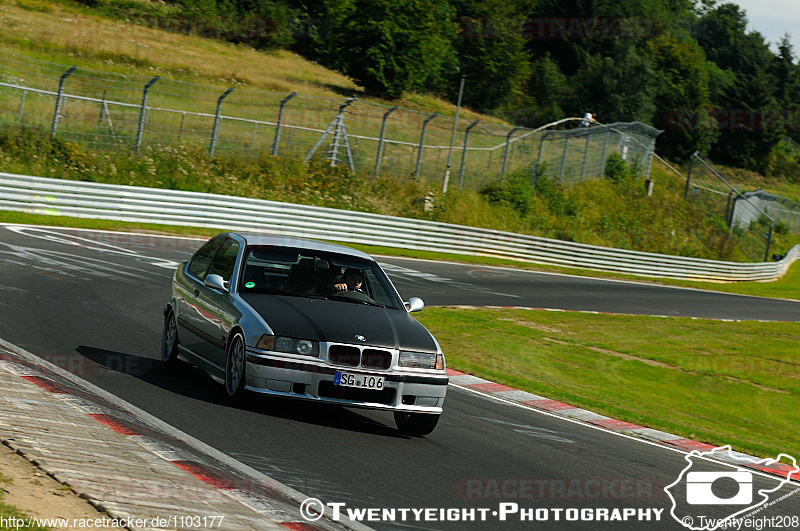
(299, 526)
(689, 445)
(205, 474)
(48, 385)
(583, 414)
(654, 435)
(592, 312)
(257, 496)
(489, 387)
(479, 385)
(116, 425)
(548, 405)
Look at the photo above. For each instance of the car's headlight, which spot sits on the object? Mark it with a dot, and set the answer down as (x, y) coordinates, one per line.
(290, 345)
(421, 360)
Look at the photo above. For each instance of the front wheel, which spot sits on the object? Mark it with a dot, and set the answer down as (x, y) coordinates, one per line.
(169, 341)
(235, 367)
(417, 424)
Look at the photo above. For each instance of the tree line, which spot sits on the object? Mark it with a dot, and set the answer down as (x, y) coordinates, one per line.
(688, 67)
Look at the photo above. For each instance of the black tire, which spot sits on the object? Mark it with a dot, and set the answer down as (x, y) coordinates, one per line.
(235, 364)
(416, 424)
(169, 341)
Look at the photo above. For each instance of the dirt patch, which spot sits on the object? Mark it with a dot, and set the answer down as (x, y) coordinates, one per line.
(532, 325)
(36, 494)
(654, 363)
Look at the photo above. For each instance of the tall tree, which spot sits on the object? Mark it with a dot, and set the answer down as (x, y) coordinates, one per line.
(391, 46)
(618, 86)
(745, 111)
(681, 96)
(491, 52)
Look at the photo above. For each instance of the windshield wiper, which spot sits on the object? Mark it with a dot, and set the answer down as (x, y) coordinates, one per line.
(277, 291)
(345, 298)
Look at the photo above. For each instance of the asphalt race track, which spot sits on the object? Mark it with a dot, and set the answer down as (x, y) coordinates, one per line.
(91, 303)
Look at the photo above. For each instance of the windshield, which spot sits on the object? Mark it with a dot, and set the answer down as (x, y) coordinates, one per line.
(308, 273)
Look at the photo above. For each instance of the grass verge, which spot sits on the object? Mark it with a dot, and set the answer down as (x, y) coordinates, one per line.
(716, 382)
(787, 287)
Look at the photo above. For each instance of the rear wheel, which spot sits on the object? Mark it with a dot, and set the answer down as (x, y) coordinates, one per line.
(417, 424)
(169, 340)
(235, 367)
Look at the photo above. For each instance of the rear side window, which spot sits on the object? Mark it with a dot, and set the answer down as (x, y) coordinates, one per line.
(225, 260)
(202, 258)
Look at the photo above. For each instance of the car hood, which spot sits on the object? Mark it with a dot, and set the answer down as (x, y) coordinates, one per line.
(340, 322)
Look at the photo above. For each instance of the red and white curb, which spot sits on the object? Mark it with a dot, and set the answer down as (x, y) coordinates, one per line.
(272, 501)
(476, 384)
(593, 312)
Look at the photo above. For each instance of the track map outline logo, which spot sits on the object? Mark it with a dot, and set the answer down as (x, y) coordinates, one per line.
(745, 503)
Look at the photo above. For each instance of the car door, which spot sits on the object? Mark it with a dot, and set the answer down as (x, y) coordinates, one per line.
(190, 318)
(216, 305)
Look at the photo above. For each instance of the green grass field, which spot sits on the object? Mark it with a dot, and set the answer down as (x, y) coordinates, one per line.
(716, 382)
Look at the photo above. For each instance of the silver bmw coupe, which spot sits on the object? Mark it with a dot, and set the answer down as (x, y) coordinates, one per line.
(304, 319)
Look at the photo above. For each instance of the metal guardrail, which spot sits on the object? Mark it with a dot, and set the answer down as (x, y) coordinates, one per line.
(40, 195)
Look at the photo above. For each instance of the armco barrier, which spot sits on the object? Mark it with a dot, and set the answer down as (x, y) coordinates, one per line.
(41, 195)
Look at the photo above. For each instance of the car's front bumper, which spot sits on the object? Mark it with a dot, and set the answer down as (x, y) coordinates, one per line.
(312, 379)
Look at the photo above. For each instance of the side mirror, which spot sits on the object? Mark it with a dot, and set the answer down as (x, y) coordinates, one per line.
(414, 304)
(215, 282)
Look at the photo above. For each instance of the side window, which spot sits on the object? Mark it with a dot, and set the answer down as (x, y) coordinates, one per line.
(225, 260)
(202, 258)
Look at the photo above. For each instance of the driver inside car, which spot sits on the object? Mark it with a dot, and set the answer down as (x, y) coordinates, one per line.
(351, 280)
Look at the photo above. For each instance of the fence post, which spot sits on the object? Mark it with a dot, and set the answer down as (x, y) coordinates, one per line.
(769, 242)
(255, 132)
(505, 152)
(380, 140)
(729, 209)
(215, 131)
(650, 150)
(335, 124)
(339, 134)
(603, 152)
(623, 146)
(563, 159)
(464, 153)
(689, 176)
(422, 142)
(277, 139)
(180, 128)
(453, 137)
(585, 154)
(57, 112)
(21, 106)
(142, 112)
(102, 109)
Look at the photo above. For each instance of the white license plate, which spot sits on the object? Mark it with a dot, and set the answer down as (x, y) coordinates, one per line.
(363, 381)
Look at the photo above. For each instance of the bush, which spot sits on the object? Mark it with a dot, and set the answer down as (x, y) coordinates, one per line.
(616, 169)
(513, 190)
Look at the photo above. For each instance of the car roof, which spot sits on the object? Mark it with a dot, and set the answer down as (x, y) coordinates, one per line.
(264, 239)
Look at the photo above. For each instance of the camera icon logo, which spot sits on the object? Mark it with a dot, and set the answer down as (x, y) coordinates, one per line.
(699, 488)
(718, 477)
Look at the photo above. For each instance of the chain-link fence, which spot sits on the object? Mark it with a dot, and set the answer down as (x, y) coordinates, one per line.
(750, 206)
(128, 112)
(754, 214)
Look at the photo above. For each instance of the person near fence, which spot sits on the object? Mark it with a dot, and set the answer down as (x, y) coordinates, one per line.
(588, 119)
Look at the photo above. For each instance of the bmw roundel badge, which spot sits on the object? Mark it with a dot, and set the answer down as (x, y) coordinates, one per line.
(360, 337)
